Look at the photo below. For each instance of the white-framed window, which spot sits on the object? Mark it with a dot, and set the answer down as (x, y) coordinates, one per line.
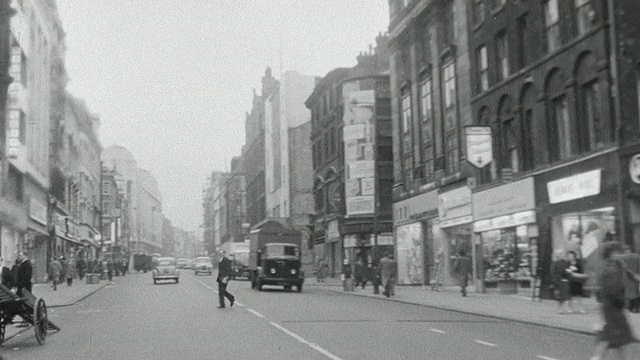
(449, 85)
(406, 112)
(483, 69)
(552, 24)
(584, 15)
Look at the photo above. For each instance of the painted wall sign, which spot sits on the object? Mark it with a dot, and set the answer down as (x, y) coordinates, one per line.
(479, 145)
(574, 187)
(360, 205)
(504, 200)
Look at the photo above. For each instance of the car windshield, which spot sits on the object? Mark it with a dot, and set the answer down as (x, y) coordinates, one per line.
(203, 261)
(282, 250)
(166, 262)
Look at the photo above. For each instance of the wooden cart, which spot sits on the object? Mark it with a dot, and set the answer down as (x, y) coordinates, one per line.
(33, 310)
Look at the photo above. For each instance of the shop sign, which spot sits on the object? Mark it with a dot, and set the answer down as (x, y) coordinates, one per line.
(360, 205)
(454, 204)
(525, 217)
(383, 239)
(634, 169)
(455, 222)
(361, 169)
(506, 199)
(479, 145)
(72, 229)
(574, 187)
(415, 208)
(333, 233)
(38, 211)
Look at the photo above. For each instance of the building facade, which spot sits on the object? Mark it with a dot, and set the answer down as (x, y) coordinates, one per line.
(351, 157)
(431, 97)
(236, 200)
(151, 217)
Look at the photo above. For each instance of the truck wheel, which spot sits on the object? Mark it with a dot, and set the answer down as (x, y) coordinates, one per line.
(299, 288)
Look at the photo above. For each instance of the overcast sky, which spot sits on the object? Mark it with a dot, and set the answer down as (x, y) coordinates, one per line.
(172, 80)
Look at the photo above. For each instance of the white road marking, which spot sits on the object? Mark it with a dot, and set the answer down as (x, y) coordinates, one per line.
(438, 331)
(315, 347)
(545, 357)
(239, 303)
(485, 343)
(256, 313)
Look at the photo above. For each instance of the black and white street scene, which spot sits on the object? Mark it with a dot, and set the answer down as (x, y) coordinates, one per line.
(320, 179)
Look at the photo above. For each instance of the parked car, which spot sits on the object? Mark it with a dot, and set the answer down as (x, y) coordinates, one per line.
(181, 263)
(203, 265)
(166, 269)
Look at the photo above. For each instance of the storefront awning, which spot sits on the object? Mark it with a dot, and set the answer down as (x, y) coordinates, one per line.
(71, 240)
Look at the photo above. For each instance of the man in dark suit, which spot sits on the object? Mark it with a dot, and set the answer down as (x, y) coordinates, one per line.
(224, 274)
(388, 272)
(24, 272)
(464, 268)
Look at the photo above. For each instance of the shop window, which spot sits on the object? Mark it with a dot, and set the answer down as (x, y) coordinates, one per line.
(552, 25)
(483, 69)
(508, 254)
(584, 15)
(502, 55)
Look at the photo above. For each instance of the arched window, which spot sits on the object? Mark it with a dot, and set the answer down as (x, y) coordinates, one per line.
(527, 102)
(508, 136)
(595, 131)
(488, 172)
(561, 145)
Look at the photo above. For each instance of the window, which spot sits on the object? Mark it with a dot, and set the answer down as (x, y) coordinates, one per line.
(591, 101)
(478, 11)
(106, 188)
(552, 24)
(527, 144)
(497, 4)
(584, 15)
(426, 115)
(450, 85)
(483, 69)
(511, 145)
(449, 26)
(23, 128)
(502, 55)
(560, 114)
(406, 112)
(523, 59)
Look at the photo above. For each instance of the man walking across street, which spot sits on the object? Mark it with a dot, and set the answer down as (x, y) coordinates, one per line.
(388, 269)
(224, 273)
(463, 268)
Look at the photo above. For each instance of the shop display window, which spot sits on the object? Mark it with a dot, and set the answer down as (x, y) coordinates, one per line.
(508, 254)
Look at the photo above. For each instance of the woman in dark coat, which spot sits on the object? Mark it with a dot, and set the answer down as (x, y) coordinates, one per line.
(561, 279)
(616, 332)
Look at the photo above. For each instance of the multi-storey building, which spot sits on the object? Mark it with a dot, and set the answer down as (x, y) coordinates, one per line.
(169, 237)
(289, 173)
(112, 210)
(151, 217)
(236, 200)
(351, 157)
(214, 204)
(430, 108)
(254, 152)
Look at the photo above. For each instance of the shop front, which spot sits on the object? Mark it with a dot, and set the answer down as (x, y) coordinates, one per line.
(360, 247)
(413, 220)
(506, 237)
(578, 209)
(452, 233)
(333, 247)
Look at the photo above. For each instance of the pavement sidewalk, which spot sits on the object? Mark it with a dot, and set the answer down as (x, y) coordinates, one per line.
(64, 296)
(506, 307)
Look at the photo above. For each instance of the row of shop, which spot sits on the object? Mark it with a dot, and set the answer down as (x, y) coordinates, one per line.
(510, 230)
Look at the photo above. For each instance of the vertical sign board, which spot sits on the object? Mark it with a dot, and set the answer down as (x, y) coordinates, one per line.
(479, 145)
(359, 142)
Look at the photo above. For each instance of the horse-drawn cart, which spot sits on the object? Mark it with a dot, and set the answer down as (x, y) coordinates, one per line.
(31, 309)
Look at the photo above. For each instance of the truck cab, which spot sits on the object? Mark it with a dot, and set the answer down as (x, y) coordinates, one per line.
(275, 257)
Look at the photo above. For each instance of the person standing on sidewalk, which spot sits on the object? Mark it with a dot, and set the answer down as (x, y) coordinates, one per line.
(55, 269)
(81, 267)
(577, 277)
(616, 331)
(631, 263)
(561, 281)
(463, 268)
(71, 271)
(224, 274)
(388, 271)
(24, 273)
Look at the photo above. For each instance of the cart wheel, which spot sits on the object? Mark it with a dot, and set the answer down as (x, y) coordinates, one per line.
(40, 321)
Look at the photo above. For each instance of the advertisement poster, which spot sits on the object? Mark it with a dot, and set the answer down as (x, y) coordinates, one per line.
(359, 141)
(409, 245)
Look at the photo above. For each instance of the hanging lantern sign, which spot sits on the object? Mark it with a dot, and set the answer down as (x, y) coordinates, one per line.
(479, 145)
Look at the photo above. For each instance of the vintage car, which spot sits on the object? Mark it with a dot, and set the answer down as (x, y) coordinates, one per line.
(203, 265)
(166, 269)
(182, 263)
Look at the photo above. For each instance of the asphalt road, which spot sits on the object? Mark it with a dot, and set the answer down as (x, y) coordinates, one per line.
(135, 319)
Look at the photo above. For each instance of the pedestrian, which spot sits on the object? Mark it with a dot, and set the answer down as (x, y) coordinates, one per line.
(6, 277)
(110, 269)
(577, 277)
(463, 269)
(55, 269)
(360, 274)
(375, 274)
(23, 275)
(65, 268)
(71, 271)
(438, 275)
(81, 267)
(388, 273)
(561, 279)
(615, 332)
(224, 274)
(631, 263)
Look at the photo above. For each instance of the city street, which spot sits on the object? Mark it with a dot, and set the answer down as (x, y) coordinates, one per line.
(134, 319)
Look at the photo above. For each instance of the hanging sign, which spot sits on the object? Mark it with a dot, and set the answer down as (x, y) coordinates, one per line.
(479, 145)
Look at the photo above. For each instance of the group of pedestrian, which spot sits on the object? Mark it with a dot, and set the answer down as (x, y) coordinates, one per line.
(62, 270)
